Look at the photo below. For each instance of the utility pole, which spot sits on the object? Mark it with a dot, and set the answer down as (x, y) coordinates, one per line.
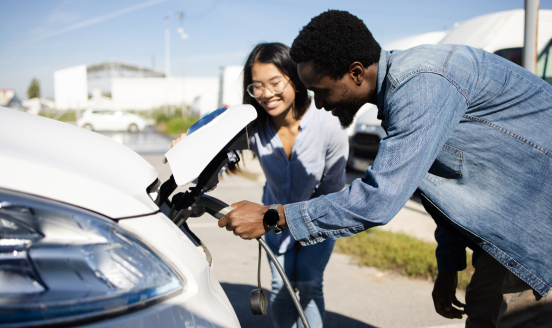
(183, 36)
(167, 59)
(529, 55)
(167, 45)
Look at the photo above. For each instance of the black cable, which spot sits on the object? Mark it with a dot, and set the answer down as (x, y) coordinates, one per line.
(218, 209)
(286, 282)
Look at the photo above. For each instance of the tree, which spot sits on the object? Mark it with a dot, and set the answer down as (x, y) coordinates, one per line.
(34, 89)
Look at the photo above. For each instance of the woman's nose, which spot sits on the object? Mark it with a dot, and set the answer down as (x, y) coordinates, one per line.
(266, 93)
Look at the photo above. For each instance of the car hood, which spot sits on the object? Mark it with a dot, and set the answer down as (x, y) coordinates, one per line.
(62, 162)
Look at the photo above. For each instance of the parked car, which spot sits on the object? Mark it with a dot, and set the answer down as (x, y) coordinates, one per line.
(111, 120)
(500, 33)
(83, 242)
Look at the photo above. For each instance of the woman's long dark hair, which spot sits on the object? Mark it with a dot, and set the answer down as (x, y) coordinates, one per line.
(277, 54)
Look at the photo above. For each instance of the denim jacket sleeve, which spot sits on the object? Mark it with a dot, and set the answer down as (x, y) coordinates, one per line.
(420, 114)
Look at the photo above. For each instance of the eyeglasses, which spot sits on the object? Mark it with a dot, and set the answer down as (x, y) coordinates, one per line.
(257, 89)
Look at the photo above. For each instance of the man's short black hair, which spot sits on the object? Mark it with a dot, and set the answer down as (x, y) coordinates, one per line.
(334, 40)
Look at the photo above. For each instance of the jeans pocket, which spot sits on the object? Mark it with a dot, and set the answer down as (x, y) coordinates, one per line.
(447, 166)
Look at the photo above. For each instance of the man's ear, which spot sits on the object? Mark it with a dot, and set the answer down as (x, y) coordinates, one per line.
(356, 72)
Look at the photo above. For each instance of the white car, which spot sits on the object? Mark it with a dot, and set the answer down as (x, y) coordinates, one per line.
(83, 242)
(111, 120)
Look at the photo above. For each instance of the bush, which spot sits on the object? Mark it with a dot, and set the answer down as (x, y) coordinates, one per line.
(163, 115)
(397, 252)
(68, 116)
(178, 125)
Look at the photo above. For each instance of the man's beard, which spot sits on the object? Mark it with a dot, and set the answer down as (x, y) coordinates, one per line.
(346, 112)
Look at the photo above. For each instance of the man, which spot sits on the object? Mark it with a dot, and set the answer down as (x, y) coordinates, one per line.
(469, 131)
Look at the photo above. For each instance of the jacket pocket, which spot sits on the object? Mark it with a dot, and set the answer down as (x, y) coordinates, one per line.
(447, 166)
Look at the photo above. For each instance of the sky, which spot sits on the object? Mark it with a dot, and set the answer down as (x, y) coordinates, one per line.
(38, 37)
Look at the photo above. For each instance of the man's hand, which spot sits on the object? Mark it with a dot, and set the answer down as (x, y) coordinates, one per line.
(175, 141)
(246, 220)
(444, 295)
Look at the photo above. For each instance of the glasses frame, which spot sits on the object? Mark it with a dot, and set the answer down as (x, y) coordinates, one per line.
(263, 89)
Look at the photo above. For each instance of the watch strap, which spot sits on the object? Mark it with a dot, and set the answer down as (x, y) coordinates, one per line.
(275, 228)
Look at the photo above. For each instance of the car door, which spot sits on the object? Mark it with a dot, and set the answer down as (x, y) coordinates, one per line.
(98, 120)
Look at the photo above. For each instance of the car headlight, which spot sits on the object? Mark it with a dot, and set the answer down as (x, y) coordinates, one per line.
(60, 264)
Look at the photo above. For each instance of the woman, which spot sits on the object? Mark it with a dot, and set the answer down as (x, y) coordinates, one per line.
(303, 152)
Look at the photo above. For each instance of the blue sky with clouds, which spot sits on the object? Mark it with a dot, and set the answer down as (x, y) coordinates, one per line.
(40, 36)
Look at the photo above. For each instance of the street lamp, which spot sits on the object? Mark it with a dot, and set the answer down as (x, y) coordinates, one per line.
(183, 36)
(167, 60)
(167, 45)
(529, 54)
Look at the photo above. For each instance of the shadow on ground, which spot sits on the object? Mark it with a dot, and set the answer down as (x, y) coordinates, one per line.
(239, 298)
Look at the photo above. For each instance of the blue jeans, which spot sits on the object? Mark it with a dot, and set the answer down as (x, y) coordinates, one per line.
(304, 266)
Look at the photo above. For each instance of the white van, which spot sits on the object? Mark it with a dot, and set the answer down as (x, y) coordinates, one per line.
(501, 33)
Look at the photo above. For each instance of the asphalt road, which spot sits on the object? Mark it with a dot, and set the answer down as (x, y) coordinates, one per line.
(146, 142)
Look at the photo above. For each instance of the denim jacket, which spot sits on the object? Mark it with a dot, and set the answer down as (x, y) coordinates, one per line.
(472, 132)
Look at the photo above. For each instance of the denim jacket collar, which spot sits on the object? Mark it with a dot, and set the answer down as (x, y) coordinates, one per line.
(382, 74)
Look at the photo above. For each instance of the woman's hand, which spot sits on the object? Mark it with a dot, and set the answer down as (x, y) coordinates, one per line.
(175, 141)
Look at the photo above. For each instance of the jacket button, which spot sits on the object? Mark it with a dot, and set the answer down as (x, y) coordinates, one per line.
(511, 264)
(312, 238)
(303, 240)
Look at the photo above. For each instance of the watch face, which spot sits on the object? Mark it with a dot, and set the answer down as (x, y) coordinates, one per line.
(271, 217)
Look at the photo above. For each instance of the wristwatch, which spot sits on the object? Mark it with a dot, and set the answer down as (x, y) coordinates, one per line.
(272, 217)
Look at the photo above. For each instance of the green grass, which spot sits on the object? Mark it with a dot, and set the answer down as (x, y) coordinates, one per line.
(170, 121)
(397, 252)
(68, 116)
(176, 125)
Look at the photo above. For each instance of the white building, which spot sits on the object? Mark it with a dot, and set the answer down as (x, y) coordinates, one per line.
(132, 87)
(147, 93)
(71, 87)
(231, 86)
(37, 105)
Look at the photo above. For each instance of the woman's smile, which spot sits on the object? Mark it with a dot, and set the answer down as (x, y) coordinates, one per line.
(272, 103)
